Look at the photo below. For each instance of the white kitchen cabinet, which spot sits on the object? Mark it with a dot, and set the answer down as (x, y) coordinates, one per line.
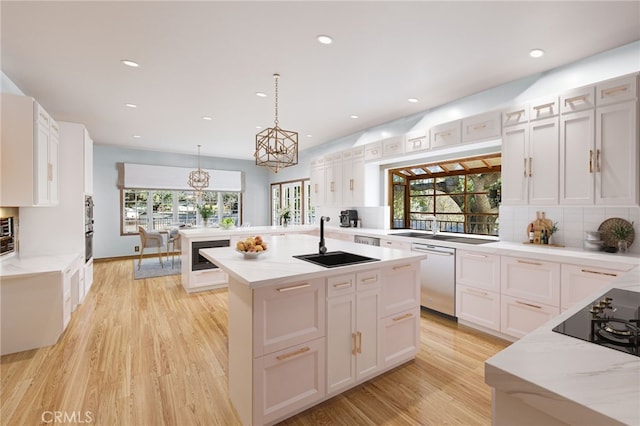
(393, 147)
(478, 306)
(317, 182)
(577, 158)
(580, 99)
(478, 270)
(352, 328)
(544, 108)
(579, 282)
(616, 154)
(531, 280)
(400, 245)
(617, 90)
(515, 115)
(399, 290)
(373, 151)
(446, 134)
(353, 177)
(333, 180)
(481, 127)
(88, 163)
(288, 380)
(416, 144)
(400, 337)
(515, 154)
(518, 317)
(29, 154)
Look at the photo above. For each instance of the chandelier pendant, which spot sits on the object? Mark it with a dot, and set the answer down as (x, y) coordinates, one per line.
(276, 148)
(198, 179)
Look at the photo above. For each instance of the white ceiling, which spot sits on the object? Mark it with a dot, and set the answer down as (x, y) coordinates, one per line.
(210, 58)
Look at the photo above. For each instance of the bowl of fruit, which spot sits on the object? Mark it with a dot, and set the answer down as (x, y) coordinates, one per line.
(251, 247)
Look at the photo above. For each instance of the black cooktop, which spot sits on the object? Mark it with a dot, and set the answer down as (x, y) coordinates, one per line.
(611, 320)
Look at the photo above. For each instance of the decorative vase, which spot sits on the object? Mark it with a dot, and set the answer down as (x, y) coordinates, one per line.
(623, 246)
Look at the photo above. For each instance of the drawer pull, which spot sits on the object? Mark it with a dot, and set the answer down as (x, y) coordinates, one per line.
(609, 274)
(483, 256)
(359, 342)
(518, 113)
(294, 353)
(417, 143)
(529, 263)
(369, 279)
(530, 166)
(354, 349)
(545, 106)
(597, 160)
(405, 316)
(294, 287)
(575, 99)
(477, 292)
(528, 304)
(399, 267)
(590, 161)
(342, 285)
(479, 126)
(525, 167)
(443, 134)
(614, 90)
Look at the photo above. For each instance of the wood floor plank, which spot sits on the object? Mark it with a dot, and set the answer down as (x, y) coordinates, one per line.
(144, 352)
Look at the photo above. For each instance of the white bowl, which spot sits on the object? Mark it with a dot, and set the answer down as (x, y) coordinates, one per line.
(251, 254)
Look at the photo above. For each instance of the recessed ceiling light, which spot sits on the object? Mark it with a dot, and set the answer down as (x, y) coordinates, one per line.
(261, 95)
(130, 63)
(206, 117)
(536, 53)
(309, 136)
(355, 116)
(413, 100)
(258, 127)
(131, 105)
(325, 39)
(137, 136)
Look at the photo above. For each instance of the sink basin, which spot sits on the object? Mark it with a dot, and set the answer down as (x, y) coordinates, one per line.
(441, 237)
(333, 259)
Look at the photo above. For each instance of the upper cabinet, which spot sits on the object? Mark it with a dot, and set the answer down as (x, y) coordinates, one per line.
(88, 163)
(30, 140)
(353, 177)
(446, 134)
(481, 127)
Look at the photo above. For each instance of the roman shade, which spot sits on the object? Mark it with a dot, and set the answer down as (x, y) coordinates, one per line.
(145, 176)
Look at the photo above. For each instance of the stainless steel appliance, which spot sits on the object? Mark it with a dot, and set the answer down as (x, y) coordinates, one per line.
(198, 261)
(437, 278)
(370, 241)
(7, 236)
(88, 228)
(612, 320)
(348, 218)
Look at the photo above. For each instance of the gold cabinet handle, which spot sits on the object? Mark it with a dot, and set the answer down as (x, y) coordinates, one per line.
(353, 349)
(524, 171)
(417, 143)
(476, 292)
(528, 304)
(342, 285)
(401, 317)
(530, 166)
(294, 287)
(479, 126)
(483, 256)
(351, 184)
(609, 274)
(575, 99)
(613, 90)
(399, 267)
(590, 161)
(369, 279)
(597, 160)
(294, 353)
(359, 342)
(529, 263)
(49, 172)
(545, 106)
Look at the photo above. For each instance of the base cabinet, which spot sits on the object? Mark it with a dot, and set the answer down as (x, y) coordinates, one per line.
(580, 282)
(519, 317)
(478, 306)
(400, 337)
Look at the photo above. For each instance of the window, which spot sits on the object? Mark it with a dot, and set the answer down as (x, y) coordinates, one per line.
(159, 209)
(296, 196)
(463, 195)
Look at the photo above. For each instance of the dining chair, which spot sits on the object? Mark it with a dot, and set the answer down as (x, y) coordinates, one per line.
(149, 239)
(173, 239)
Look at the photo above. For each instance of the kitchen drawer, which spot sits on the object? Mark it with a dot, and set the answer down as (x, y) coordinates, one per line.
(400, 289)
(373, 151)
(580, 282)
(518, 317)
(446, 134)
(400, 337)
(531, 279)
(543, 108)
(393, 146)
(481, 127)
(480, 307)
(401, 245)
(580, 99)
(341, 284)
(479, 270)
(515, 115)
(616, 90)
(416, 144)
(368, 279)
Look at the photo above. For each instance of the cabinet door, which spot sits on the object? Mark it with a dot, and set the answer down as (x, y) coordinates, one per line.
(42, 172)
(288, 380)
(341, 341)
(515, 115)
(400, 289)
(515, 150)
(479, 270)
(477, 306)
(88, 163)
(580, 99)
(481, 127)
(518, 317)
(373, 151)
(333, 180)
(616, 159)
(392, 147)
(544, 108)
(400, 337)
(577, 156)
(446, 134)
(580, 282)
(542, 170)
(367, 349)
(416, 144)
(617, 90)
(276, 306)
(352, 184)
(52, 171)
(531, 279)
(317, 182)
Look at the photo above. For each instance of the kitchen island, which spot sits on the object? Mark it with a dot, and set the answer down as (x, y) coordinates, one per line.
(300, 333)
(549, 378)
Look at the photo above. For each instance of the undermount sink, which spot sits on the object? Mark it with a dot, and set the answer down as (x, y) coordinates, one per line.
(333, 259)
(441, 237)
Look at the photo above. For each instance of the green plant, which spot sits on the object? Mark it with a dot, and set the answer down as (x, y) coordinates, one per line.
(553, 229)
(285, 214)
(227, 222)
(622, 231)
(206, 211)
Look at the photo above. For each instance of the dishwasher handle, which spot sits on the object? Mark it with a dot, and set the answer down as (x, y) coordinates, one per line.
(433, 250)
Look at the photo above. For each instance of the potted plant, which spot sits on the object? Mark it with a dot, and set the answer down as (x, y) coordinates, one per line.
(553, 230)
(206, 211)
(227, 223)
(621, 232)
(285, 215)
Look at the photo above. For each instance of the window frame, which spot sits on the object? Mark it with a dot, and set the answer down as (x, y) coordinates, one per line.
(306, 209)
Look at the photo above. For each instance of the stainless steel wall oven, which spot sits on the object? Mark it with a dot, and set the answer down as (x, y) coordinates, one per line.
(7, 236)
(88, 228)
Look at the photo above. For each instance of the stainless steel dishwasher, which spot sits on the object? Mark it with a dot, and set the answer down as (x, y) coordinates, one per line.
(437, 278)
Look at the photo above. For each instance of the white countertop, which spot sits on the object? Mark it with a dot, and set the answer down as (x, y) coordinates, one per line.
(573, 380)
(19, 266)
(215, 232)
(277, 265)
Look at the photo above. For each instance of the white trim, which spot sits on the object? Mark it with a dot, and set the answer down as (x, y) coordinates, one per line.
(145, 176)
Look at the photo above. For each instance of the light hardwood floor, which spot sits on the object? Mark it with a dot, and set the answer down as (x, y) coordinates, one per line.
(146, 353)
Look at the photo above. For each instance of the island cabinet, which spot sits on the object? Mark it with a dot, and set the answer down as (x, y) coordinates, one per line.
(579, 282)
(478, 288)
(530, 294)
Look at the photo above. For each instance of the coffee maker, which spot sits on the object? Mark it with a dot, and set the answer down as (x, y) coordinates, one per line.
(348, 218)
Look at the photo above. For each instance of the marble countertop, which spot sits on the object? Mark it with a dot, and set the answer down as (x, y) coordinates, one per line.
(215, 232)
(277, 266)
(20, 266)
(573, 380)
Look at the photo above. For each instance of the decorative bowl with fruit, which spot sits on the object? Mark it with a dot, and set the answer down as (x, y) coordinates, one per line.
(251, 247)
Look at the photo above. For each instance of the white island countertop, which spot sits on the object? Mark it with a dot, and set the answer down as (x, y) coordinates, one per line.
(25, 266)
(277, 264)
(572, 380)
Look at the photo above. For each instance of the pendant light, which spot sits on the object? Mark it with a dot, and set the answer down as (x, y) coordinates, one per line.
(276, 148)
(198, 179)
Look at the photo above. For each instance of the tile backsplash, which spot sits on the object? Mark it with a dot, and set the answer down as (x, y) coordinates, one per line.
(572, 222)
